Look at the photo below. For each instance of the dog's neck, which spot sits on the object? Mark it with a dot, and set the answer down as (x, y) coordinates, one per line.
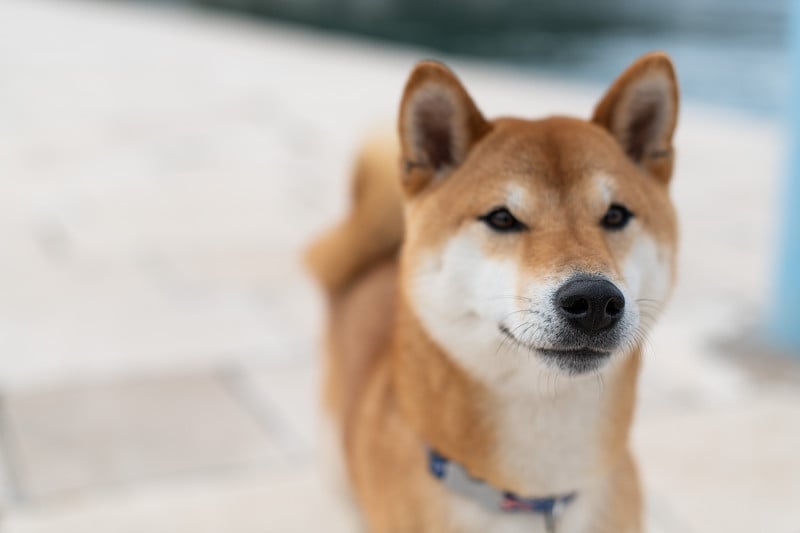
(532, 445)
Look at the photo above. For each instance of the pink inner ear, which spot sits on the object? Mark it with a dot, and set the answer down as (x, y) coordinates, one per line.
(432, 116)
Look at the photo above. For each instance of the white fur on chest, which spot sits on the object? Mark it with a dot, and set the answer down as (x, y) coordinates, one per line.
(549, 443)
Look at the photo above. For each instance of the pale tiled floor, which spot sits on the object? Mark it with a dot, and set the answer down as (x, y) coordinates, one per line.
(160, 170)
(122, 432)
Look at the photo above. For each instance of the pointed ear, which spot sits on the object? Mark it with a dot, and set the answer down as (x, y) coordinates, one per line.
(438, 124)
(641, 111)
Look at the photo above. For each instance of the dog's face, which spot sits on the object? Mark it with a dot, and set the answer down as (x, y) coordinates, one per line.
(538, 244)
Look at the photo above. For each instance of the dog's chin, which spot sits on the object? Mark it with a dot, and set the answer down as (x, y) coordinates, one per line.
(571, 360)
(575, 362)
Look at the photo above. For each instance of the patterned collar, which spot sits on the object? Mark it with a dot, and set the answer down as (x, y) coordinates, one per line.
(456, 478)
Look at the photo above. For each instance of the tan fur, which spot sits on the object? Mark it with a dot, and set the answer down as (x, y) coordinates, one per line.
(390, 387)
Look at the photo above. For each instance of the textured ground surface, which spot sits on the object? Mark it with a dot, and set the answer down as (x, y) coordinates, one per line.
(159, 171)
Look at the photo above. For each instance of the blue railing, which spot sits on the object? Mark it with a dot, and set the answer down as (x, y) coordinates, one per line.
(786, 304)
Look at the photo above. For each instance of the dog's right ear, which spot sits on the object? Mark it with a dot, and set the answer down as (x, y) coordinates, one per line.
(438, 123)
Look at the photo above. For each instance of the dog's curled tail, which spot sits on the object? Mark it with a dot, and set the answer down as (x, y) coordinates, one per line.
(373, 229)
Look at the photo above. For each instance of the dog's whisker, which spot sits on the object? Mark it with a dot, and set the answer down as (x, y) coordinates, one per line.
(598, 377)
(505, 342)
(555, 384)
(512, 313)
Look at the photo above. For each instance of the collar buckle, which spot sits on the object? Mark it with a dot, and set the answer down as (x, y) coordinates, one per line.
(552, 517)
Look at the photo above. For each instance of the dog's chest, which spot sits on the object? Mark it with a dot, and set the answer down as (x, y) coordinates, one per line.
(549, 446)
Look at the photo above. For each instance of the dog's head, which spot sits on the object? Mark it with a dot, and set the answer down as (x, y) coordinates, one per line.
(549, 243)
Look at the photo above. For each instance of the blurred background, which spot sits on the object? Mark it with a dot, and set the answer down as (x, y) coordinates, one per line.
(575, 40)
(162, 164)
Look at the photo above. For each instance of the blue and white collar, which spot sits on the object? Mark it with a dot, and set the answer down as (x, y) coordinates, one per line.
(456, 478)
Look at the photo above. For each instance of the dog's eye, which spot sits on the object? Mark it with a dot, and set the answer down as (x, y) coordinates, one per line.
(501, 219)
(617, 217)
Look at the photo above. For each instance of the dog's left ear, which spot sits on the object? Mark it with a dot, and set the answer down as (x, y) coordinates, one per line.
(438, 125)
(641, 111)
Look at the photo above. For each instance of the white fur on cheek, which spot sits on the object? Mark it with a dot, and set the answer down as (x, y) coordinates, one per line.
(461, 295)
(647, 271)
(648, 278)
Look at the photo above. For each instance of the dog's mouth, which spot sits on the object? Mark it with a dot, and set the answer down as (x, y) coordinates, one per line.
(572, 360)
(572, 352)
(575, 361)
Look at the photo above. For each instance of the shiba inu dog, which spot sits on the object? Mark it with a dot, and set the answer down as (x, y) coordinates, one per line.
(488, 296)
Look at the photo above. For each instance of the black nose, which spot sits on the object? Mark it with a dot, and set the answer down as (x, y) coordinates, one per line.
(590, 305)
